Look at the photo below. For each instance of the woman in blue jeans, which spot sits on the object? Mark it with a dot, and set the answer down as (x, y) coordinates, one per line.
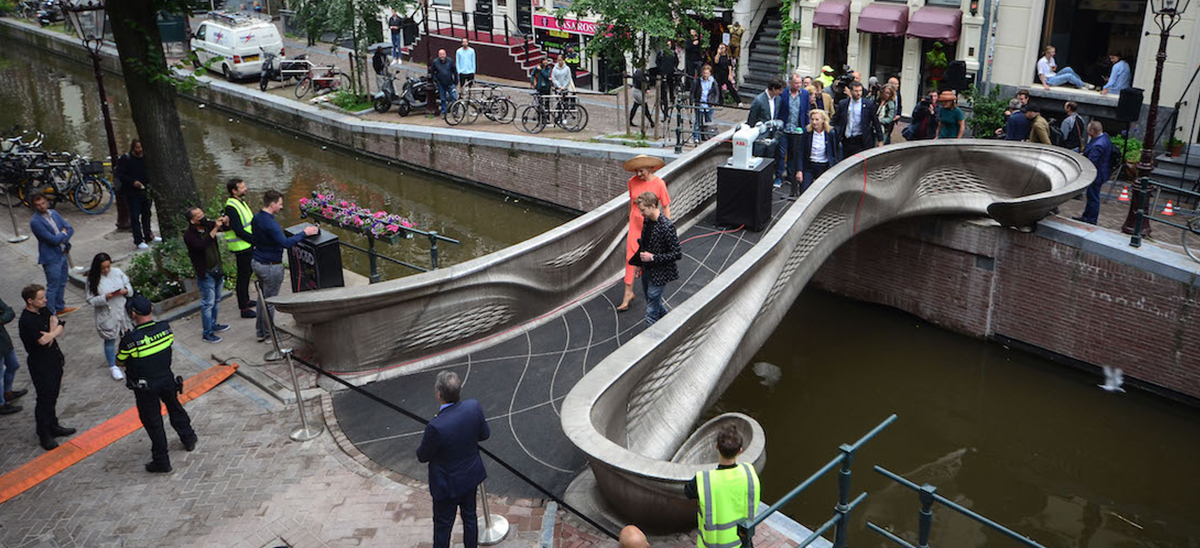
(107, 287)
(8, 355)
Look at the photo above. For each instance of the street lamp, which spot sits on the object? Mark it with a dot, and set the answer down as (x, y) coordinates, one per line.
(1167, 13)
(87, 16)
(430, 86)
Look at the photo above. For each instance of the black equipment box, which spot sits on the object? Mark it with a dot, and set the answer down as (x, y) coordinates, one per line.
(744, 195)
(316, 261)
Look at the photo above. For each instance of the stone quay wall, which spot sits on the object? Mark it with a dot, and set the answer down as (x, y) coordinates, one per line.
(577, 176)
(1076, 295)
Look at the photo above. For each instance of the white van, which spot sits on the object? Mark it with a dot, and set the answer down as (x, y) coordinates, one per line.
(235, 43)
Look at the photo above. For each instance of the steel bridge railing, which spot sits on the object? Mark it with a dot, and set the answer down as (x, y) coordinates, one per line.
(927, 494)
(1190, 238)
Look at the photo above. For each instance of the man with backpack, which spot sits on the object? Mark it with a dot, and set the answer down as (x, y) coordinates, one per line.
(1072, 128)
(1039, 131)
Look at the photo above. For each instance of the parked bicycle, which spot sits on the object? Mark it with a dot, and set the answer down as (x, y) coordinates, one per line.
(561, 109)
(322, 80)
(480, 98)
(26, 171)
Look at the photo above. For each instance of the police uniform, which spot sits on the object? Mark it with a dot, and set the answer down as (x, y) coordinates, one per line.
(725, 496)
(146, 355)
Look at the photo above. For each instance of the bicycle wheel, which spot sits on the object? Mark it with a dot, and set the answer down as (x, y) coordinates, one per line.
(455, 113)
(342, 83)
(303, 86)
(1192, 234)
(94, 195)
(473, 109)
(531, 120)
(573, 119)
(34, 186)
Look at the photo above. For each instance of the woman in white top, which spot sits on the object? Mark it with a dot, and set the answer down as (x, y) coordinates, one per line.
(819, 149)
(561, 76)
(107, 287)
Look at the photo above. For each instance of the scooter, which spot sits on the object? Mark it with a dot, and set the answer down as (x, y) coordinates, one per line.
(280, 69)
(383, 99)
(49, 13)
(413, 95)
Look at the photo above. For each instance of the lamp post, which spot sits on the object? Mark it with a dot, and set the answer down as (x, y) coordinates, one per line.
(87, 16)
(430, 87)
(1167, 13)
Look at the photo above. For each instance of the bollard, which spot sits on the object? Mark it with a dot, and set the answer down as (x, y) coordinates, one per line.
(492, 528)
(925, 518)
(306, 431)
(843, 505)
(271, 355)
(17, 237)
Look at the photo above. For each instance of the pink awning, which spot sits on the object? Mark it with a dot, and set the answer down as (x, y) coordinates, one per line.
(884, 18)
(942, 24)
(832, 14)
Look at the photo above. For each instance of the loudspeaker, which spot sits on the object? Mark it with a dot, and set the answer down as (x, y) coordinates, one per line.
(1129, 108)
(955, 76)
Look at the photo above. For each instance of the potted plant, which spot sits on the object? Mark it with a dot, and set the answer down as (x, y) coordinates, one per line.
(935, 63)
(1175, 146)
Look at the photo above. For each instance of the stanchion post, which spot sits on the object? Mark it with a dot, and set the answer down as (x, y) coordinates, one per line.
(925, 518)
(275, 354)
(17, 237)
(492, 528)
(433, 250)
(306, 431)
(843, 505)
(371, 259)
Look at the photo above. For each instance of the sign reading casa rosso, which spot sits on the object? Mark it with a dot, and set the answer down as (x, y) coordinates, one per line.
(568, 25)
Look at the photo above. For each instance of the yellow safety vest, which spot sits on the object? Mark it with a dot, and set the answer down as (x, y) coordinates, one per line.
(232, 241)
(726, 498)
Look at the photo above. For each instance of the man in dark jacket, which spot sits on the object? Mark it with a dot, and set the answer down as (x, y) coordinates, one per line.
(201, 241)
(451, 447)
(659, 251)
(1072, 127)
(239, 241)
(8, 356)
(394, 24)
(856, 122)
(40, 329)
(667, 64)
(1099, 151)
(132, 182)
(766, 105)
(445, 76)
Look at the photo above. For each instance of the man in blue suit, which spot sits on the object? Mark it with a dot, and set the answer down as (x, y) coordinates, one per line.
(53, 234)
(451, 447)
(1099, 151)
(793, 112)
(856, 123)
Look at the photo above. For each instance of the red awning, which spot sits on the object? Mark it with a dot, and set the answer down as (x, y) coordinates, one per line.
(884, 18)
(832, 14)
(942, 24)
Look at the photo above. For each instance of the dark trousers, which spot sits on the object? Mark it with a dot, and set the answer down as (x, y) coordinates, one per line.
(1091, 212)
(162, 389)
(139, 216)
(242, 287)
(852, 146)
(812, 171)
(443, 520)
(47, 381)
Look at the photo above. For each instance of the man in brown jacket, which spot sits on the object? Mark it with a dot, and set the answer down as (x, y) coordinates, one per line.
(1039, 128)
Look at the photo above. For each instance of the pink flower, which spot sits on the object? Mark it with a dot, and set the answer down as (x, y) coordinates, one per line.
(380, 214)
(407, 223)
(393, 228)
(320, 196)
(342, 203)
(303, 202)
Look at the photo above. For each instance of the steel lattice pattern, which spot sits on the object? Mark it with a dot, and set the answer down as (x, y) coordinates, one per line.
(649, 390)
(825, 223)
(571, 257)
(947, 180)
(456, 327)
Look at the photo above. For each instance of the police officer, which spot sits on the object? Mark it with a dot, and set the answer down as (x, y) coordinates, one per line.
(145, 353)
(726, 495)
(239, 239)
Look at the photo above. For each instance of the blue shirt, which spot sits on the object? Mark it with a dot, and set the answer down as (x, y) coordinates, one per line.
(854, 117)
(464, 59)
(705, 87)
(1120, 78)
(269, 241)
(1017, 128)
(793, 115)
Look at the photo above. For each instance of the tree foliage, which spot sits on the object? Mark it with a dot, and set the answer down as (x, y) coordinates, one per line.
(354, 19)
(625, 26)
(987, 111)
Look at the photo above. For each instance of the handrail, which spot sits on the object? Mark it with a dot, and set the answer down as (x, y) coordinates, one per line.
(1142, 216)
(928, 495)
(842, 510)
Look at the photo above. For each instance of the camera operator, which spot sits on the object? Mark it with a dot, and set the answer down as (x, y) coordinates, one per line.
(201, 240)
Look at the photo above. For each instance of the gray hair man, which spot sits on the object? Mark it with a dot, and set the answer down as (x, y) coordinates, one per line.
(451, 447)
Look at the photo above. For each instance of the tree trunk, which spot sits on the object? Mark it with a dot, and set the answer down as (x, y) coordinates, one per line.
(152, 104)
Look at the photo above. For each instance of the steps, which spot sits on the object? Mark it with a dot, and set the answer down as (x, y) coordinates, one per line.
(1180, 171)
(763, 62)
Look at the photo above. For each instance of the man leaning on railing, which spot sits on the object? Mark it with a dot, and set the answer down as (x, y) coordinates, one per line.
(726, 496)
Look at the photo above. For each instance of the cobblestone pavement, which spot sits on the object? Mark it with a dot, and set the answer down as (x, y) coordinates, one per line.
(246, 485)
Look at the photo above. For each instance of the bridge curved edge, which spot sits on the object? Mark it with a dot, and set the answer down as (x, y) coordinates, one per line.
(632, 412)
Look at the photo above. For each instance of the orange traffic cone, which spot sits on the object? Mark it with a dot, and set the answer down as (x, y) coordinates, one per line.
(1168, 210)
(1124, 197)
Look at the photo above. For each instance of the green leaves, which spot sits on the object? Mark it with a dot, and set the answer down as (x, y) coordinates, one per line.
(632, 28)
(987, 112)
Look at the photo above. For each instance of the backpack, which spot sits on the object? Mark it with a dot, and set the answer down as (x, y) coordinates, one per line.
(1056, 136)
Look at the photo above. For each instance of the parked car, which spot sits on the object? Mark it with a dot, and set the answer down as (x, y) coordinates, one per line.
(234, 43)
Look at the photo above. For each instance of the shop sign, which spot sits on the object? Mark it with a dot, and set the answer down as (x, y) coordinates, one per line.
(568, 25)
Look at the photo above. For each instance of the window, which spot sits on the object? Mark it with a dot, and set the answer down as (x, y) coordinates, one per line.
(887, 56)
(1113, 26)
(202, 32)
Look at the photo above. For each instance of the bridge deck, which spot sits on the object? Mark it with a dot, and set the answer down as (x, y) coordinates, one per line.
(520, 382)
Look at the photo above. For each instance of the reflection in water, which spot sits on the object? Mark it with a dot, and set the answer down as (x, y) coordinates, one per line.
(1033, 445)
(59, 98)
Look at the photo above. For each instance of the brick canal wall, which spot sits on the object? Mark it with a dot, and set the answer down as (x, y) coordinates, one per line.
(1077, 295)
(573, 175)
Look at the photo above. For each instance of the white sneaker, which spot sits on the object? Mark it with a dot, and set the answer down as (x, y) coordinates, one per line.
(143, 246)
(116, 373)
(157, 239)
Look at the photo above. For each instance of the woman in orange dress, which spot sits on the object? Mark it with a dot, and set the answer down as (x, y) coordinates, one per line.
(643, 180)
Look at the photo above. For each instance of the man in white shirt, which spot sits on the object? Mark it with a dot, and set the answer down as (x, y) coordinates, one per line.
(1051, 75)
(464, 61)
(766, 105)
(856, 122)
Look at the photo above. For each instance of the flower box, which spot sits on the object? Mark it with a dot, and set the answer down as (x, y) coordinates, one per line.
(381, 225)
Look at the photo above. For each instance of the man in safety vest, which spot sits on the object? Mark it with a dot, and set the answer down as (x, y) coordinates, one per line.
(240, 241)
(726, 495)
(145, 353)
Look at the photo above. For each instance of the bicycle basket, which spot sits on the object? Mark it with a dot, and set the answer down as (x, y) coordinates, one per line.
(94, 167)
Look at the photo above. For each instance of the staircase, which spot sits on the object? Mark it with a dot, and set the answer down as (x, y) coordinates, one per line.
(1181, 171)
(763, 63)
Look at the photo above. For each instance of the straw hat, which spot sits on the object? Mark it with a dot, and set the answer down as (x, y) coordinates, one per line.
(947, 96)
(642, 161)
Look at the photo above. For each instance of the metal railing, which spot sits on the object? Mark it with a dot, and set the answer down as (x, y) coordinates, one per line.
(844, 506)
(373, 256)
(1190, 228)
(446, 18)
(927, 494)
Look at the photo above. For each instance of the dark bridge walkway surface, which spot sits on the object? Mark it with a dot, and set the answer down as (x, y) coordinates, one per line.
(521, 382)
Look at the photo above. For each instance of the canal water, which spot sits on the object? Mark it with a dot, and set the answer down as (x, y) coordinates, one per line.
(59, 98)
(1033, 445)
